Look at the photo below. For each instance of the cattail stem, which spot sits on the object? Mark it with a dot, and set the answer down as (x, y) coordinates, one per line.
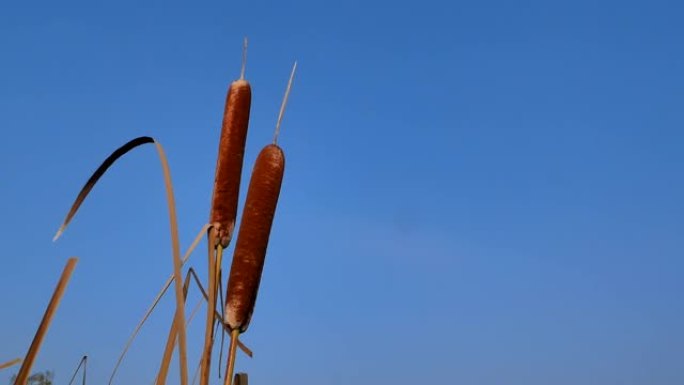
(214, 264)
(231, 356)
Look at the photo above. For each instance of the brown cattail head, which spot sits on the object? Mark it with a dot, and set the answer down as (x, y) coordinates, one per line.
(224, 201)
(255, 228)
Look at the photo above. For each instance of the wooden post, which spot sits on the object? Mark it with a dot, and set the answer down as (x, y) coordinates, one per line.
(240, 379)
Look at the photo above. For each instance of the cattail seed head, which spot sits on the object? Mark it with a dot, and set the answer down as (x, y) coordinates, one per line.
(230, 158)
(255, 229)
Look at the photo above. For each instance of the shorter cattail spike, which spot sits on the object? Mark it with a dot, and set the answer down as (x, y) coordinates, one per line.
(282, 106)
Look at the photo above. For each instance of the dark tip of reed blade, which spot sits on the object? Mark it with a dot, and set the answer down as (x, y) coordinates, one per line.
(113, 157)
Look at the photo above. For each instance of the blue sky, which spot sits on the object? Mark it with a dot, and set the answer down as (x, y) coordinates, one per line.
(476, 192)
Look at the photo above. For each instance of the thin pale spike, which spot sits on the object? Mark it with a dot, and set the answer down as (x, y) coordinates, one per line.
(284, 103)
(244, 58)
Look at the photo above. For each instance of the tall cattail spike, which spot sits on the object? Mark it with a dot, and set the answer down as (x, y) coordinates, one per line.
(282, 106)
(244, 59)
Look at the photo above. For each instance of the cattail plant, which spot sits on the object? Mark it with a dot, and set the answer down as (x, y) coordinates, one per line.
(252, 240)
(224, 200)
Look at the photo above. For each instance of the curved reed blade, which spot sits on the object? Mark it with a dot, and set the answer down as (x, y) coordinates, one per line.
(118, 153)
(179, 317)
(175, 243)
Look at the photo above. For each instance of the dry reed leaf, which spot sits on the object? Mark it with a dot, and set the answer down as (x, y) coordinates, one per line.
(10, 363)
(26, 366)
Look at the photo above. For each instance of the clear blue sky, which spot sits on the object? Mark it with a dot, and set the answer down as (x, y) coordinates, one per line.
(476, 192)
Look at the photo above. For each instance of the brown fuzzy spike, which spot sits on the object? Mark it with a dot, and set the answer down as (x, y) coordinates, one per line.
(230, 157)
(255, 228)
